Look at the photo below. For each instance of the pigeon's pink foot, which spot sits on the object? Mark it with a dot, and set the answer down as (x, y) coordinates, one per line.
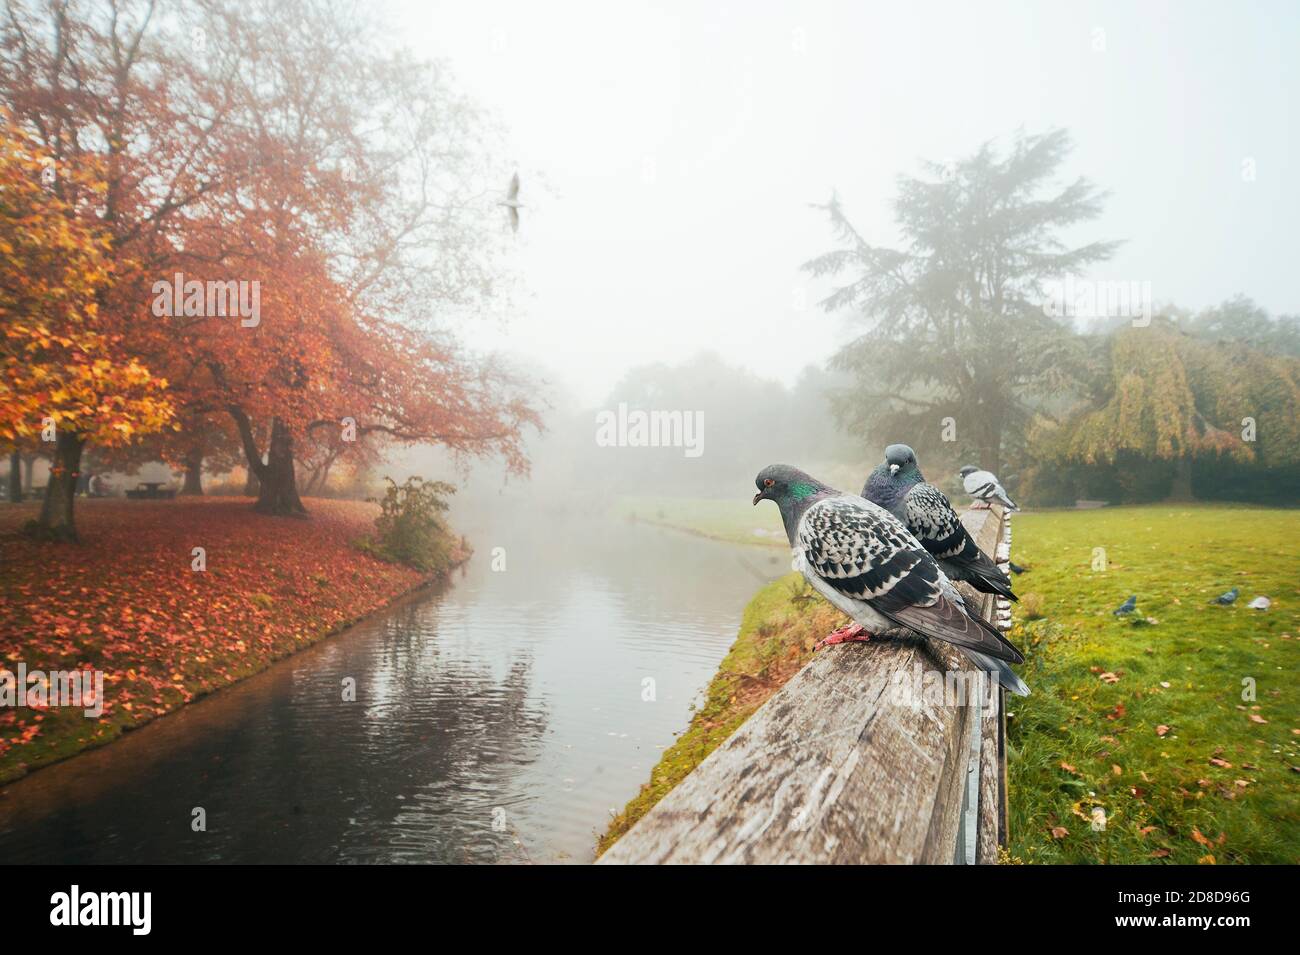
(854, 633)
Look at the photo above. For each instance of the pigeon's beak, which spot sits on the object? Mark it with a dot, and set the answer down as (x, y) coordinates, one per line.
(893, 469)
(758, 497)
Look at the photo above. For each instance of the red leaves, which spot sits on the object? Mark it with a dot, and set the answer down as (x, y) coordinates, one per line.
(126, 601)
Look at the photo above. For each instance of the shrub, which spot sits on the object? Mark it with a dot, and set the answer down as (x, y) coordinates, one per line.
(409, 528)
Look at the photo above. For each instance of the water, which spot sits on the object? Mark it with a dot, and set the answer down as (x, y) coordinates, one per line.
(498, 719)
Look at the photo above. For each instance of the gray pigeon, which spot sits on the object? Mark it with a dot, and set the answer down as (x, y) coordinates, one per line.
(867, 564)
(1225, 599)
(898, 486)
(1127, 607)
(1259, 603)
(512, 203)
(985, 488)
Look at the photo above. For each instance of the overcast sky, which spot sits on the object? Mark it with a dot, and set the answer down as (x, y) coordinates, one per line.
(681, 145)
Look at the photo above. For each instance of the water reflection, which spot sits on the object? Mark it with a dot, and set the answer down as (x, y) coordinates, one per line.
(497, 720)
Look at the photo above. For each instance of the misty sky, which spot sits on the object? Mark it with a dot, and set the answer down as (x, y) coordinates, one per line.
(681, 145)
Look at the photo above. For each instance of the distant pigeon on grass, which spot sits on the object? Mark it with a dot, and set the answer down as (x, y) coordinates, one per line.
(1016, 568)
(1127, 607)
(512, 203)
(985, 488)
(1225, 599)
(867, 564)
(1260, 603)
(898, 486)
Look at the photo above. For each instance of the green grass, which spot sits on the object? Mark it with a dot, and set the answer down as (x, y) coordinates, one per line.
(1167, 792)
(725, 519)
(1180, 665)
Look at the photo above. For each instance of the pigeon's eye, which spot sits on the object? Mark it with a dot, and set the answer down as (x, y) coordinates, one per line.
(768, 482)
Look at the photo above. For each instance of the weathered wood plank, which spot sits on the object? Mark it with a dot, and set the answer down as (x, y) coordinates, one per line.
(838, 766)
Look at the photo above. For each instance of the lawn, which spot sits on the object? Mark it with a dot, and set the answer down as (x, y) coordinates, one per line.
(1181, 725)
(129, 602)
(1147, 721)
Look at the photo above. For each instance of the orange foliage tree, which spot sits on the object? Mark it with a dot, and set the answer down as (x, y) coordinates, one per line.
(64, 374)
(276, 147)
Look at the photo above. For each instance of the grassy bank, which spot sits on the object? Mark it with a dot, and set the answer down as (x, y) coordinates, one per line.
(127, 601)
(1144, 720)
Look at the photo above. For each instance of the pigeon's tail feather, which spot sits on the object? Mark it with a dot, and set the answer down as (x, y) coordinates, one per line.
(1006, 676)
(981, 573)
(1005, 500)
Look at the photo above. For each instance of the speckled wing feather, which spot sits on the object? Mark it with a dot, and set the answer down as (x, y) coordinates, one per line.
(931, 519)
(934, 523)
(866, 554)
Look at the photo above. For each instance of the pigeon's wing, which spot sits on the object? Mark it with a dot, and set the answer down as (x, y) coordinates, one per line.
(864, 553)
(514, 219)
(935, 524)
(513, 192)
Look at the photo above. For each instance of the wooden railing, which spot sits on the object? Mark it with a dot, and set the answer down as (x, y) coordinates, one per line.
(839, 766)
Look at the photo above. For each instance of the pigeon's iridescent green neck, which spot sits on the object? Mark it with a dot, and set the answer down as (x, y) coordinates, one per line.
(802, 489)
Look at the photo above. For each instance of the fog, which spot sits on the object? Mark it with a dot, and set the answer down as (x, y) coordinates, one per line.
(669, 153)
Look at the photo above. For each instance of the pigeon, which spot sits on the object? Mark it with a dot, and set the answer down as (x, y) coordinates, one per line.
(898, 486)
(984, 487)
(867, 564)
(1127, 607)
(1225, 599)
(1016, 568)
(512, 203)
(1260, 603)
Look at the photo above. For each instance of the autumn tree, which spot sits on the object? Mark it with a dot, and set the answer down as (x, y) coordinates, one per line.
(278, 146)
(953, 321)
(65, 376)
(1172, 414)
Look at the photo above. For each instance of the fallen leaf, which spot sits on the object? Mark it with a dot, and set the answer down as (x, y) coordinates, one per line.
(1162, 729)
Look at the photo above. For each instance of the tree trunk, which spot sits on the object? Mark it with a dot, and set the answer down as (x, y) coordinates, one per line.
(278, 494)
(1181, 488)
(252, 486)
(193, 472)
(29, 464)
(277, 491)
(56, 521)
(15, 477)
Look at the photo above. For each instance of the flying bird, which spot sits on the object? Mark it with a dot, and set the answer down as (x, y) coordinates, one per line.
(1225, 599)
(898, 486)
(985, 488)
(512, 202)
(867, 564)
(1127, 607)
